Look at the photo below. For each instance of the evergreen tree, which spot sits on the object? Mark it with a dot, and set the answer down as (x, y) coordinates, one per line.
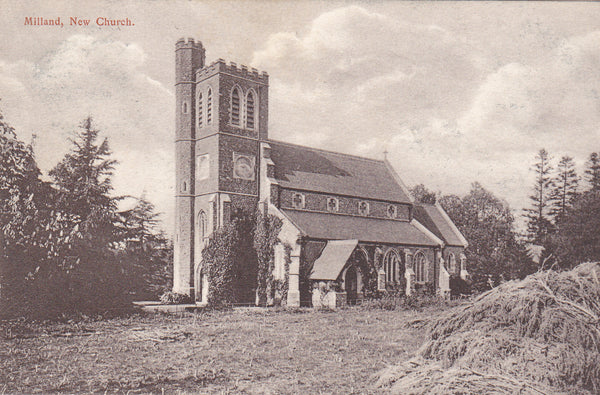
(577, 239)
(564, 189)
(146, 252)
(538, 223)
(83, 181)
(592, 171)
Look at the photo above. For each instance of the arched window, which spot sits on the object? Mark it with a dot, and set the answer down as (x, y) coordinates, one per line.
(202, 231)
(209, 107)
(452, 267)
(420, 267)
(250, 110)
(200, 109)
(235, 107)
(185, 107)
(391, 265)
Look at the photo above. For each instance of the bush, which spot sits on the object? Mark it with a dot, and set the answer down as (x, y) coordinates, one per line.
(171, 297)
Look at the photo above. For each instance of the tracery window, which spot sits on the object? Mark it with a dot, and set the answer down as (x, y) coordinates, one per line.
(333, 205)
(298, 200)
(420, 267)
(392, 211)
(250, 110)
(235, 107)
(363, 208)
(391, 265)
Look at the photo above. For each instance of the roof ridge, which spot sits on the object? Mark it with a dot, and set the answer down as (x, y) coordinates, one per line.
(326, 151)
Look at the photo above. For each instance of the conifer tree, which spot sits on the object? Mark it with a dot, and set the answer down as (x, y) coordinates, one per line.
(564, 189)
(538, 223)
(83, 180)
(592, 171)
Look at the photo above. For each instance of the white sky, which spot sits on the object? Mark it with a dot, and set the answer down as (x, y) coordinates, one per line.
(455, 91)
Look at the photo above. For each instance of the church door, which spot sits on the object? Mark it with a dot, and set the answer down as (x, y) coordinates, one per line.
(351, 285)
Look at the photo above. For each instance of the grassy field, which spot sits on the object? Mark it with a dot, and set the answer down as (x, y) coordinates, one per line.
(240, 351)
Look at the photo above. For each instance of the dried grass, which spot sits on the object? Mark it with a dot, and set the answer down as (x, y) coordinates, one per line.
(538, 335)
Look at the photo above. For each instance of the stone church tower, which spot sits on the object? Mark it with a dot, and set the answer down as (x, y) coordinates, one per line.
(221, 119)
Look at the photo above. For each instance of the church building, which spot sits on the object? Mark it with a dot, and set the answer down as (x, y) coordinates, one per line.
(350, 225)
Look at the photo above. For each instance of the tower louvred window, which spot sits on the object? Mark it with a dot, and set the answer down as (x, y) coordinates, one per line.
(209, 107)
(250, 111)
(200, 110)
(235, 107)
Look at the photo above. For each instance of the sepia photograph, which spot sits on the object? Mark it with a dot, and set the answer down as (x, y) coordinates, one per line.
(299, 197)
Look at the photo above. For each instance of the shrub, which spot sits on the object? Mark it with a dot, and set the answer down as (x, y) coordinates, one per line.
(171, 297)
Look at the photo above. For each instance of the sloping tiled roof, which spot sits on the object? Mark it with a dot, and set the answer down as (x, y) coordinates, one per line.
(316, 170)
(433, 219)
(344, 227)
(333, 259)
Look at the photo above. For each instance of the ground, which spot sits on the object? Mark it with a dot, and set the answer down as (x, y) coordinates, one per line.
(240, 351)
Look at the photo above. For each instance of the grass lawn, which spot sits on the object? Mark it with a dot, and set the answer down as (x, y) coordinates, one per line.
(240, 351)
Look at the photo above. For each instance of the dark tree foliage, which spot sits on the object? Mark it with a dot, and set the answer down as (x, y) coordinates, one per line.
(265, 237)
(25, 220)
(230, 261)
(538, 222)
(146, 253)
(486, 222)
(423, 195)
(564, 188)
(592, 171)
(83, 179)
(577, 238)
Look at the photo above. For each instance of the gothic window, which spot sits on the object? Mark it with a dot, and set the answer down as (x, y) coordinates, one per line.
(200, 110)
(363, 208)
(235, 107)
(452, 267)
(392, 212)
(250, 110)
(333, 205)
(298, 200)
(202, 230)
(209, 107)
(420, 267)
(391, 265)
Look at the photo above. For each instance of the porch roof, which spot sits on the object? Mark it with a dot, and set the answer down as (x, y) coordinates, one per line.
(333, 259)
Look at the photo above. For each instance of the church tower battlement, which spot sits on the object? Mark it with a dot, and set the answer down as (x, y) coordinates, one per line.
(221, 119)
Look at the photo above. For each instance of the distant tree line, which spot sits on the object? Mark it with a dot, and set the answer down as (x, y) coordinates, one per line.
(563, 220)
(65, 247)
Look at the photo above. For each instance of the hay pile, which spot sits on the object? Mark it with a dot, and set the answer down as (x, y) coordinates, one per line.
(537, 335)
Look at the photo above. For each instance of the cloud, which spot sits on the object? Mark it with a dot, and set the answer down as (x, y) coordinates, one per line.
(446, 116)
(106, 79)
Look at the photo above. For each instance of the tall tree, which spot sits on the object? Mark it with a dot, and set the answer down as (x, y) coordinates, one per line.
(592, 171)
(538, 223)
(487, 223)
(423, 195)
(564, 188)
(577, 238)
(83, 180)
